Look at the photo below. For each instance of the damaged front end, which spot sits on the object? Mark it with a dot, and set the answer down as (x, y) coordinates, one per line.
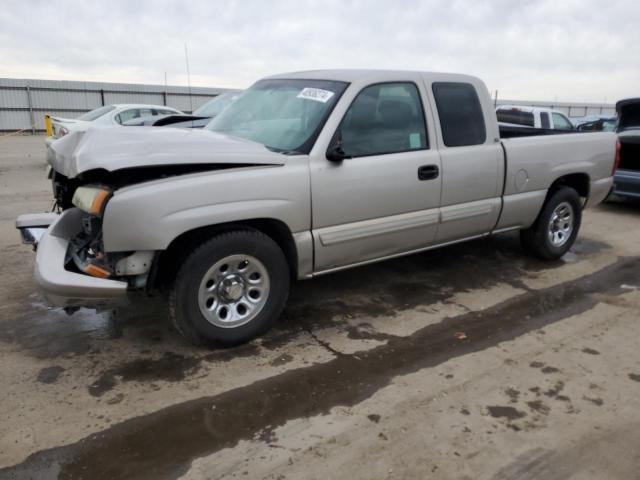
(72, 269)
(87, 170)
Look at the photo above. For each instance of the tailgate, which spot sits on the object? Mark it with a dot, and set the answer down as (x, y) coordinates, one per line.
(629, 133)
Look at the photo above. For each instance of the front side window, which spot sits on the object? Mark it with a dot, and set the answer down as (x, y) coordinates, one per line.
(460, 112)
(560, 122)
(383, 118)
(285, 115)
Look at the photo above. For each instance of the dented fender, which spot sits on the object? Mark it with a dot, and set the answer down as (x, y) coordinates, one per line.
(151, 215)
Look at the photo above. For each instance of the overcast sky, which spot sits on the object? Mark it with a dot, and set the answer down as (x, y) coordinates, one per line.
(571, 50)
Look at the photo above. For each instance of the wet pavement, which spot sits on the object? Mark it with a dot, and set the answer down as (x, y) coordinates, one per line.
(472, 361)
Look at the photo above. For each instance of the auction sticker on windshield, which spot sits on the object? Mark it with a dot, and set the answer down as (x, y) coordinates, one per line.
(316, 94)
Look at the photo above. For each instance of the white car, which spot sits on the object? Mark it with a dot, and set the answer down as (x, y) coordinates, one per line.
(533, 117)
(108, 115)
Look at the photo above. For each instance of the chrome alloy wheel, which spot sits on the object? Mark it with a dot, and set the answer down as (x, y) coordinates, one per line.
(233, 291)
(561, 224)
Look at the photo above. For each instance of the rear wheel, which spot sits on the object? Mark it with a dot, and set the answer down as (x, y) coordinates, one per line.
(556, 228)
(230, 289)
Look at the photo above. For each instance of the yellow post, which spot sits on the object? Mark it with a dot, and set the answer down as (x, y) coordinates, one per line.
(47, 124)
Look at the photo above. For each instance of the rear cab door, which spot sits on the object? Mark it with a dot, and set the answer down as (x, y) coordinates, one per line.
(471, 155)
(384, 199)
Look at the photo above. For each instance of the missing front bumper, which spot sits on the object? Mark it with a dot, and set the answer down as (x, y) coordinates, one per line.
(60, 286)
(33, 225)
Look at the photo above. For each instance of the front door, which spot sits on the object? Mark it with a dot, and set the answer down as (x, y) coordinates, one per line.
(383, 198)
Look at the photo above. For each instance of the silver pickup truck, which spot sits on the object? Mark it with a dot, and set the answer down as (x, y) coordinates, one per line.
(305, 174)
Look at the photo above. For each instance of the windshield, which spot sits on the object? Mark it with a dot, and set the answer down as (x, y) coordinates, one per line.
(97, 113)
(214, 106)
(283, 115)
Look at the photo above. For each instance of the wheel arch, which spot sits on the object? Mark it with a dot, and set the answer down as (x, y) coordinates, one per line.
(580, 182)
(168, 261)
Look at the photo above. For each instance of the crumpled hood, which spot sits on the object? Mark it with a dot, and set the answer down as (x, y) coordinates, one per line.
(116, 148)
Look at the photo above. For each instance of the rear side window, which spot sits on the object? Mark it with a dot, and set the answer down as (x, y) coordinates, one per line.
(127, 115)
(518, 117)
(460, 113)
(544, 120)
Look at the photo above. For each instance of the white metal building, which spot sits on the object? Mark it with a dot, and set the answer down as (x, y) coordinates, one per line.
(24, 103)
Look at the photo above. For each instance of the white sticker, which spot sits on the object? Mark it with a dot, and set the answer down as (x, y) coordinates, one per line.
(414, 140)
(316, 94)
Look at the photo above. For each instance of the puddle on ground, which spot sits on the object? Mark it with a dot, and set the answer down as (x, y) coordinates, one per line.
(203, 426)
(330, 300)
(171, 367)
(47, 332)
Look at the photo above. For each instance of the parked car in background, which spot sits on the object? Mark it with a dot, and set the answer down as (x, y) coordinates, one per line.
(533, 117)
(595, 123)
(116, 114)
(198, 119)
(627, 177)
(307, 173)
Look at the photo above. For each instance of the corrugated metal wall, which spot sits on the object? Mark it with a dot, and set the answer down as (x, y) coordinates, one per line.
(24, 103)
(568, 108)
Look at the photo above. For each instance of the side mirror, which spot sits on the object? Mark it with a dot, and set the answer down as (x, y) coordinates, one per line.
(336, 154)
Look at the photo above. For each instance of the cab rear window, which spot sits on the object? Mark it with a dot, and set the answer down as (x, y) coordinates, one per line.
(460, 112)
(515, 116)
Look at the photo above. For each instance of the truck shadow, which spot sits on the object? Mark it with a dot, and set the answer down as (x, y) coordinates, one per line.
(366, 294)
(380, 290)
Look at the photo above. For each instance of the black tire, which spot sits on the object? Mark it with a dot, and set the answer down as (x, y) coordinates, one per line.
(535, 239)
(184, 309)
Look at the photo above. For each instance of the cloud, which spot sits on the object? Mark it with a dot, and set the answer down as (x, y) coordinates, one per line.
(571, 50)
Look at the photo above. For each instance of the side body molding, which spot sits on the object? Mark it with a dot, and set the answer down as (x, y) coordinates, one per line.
(377, 226)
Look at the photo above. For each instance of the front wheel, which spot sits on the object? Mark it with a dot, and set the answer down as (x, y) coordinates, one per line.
(556, 228)
(230, 289)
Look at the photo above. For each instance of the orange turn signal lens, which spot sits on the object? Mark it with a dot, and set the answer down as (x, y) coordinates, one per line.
(99, 201)
(96, 271)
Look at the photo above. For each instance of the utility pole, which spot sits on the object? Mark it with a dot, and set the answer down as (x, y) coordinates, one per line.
(186, 58)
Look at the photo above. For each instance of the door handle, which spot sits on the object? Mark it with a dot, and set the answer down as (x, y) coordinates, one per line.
(428, 172)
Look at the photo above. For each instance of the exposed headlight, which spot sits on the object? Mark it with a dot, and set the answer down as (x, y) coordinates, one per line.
(91, 199)
(62, 132)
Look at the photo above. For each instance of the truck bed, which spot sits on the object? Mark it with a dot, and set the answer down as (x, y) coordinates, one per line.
(512, 131)
(534, 162)
(543, 159)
